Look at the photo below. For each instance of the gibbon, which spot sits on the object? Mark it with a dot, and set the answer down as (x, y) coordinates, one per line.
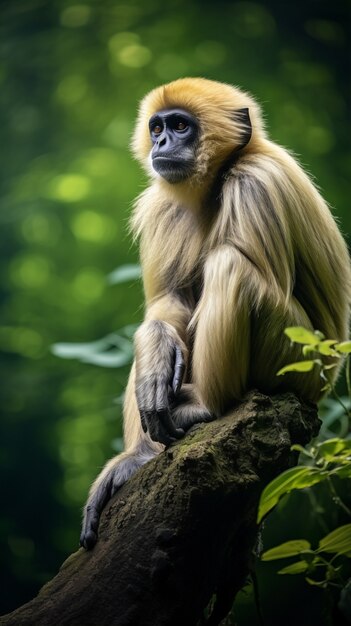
(236, 245)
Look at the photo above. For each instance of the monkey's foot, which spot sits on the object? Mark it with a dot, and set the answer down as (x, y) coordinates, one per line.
(100, 494)
(187, 410)
(88, 537)
(115, 473)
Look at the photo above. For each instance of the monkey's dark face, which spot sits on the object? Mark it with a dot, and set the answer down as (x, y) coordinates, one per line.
(174, 134)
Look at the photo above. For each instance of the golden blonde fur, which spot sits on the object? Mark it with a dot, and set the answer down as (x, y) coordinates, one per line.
(229, 260)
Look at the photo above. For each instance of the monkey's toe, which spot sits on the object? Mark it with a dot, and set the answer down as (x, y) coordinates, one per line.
(89, 534)
(88, 539)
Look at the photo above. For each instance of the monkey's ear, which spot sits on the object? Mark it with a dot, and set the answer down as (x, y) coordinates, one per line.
(242, 116)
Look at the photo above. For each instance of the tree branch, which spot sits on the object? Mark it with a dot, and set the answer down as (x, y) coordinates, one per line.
(182, 530)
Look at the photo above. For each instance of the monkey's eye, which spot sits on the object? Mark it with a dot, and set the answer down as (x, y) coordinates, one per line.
(181, 125)
(157, 129)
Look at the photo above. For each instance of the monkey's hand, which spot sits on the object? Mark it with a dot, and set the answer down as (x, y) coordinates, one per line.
(160, 357)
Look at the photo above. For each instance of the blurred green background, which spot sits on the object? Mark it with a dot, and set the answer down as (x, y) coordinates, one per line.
(71, 78)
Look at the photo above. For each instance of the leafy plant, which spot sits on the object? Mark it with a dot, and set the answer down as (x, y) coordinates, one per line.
(114, 350)
(318, 570)
(314, 342)
(124, 273)
(321, 461)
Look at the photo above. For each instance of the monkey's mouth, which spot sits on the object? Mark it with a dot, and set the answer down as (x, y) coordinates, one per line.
(173, 170)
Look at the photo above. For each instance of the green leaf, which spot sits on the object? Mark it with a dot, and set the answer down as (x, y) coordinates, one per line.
(337, 451)
(344, 471)
(334, 446)
(296, 568)
(338, 540)
(284, 550)
(294, 478)
(307, 349)
(316, 583)
(344, 347)
(114, 358)
(123, 274)
(77, 350)
(299, 366)
(299, 334)
(117, 444)
(298, 448)
(114, 350)
(324, 347)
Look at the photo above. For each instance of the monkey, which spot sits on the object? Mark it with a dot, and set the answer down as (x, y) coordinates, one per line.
(236, 244)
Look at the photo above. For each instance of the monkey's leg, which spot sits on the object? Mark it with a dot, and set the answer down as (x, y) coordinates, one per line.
(139, 450)
(187, 408)
(221, 323)
(239, 335)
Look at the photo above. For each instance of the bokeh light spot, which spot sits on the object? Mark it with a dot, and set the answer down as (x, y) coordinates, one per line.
(76, 15)
(30, 271)
(134, 56)
(319, 140)
(39, 228)
(71, 89)
(211, 53)
(22, 547)
(121, 40)
(88, 285)
(118, 132)
(21, 340)
(99, 162)
(171, 66)
(69, 187)
(93, 227)
(251, 20)
(325, 31)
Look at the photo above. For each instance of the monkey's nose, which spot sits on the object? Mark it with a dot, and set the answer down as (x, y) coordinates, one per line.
(161, 141)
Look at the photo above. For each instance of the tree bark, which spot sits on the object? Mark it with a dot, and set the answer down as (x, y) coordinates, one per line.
(182, 531)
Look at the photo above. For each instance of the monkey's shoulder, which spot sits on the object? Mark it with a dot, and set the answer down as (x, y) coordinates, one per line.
(272, 183)
(255, 171)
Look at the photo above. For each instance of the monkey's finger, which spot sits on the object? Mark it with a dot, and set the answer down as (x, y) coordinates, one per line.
(167, 423)
(157, 431)
(155, 428)
(179, 369)
(163, 413)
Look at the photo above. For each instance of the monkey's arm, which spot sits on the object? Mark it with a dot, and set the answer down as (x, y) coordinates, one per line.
(160, 362)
